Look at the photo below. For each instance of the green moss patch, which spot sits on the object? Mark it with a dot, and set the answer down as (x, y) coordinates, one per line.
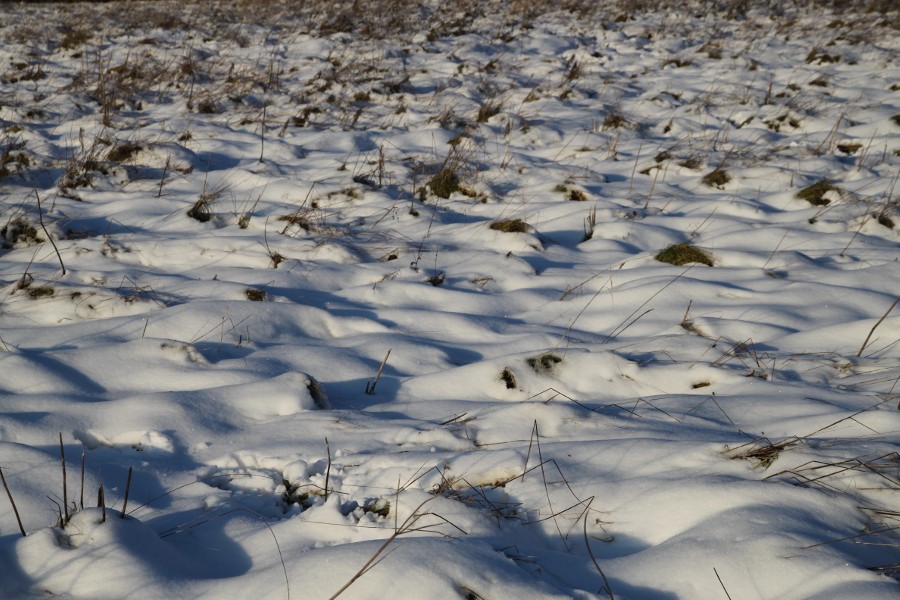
(683, 254)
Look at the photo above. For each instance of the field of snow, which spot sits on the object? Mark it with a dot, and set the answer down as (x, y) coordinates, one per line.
(479, 300)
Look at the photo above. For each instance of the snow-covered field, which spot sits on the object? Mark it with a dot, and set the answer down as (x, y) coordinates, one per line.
(370, 300)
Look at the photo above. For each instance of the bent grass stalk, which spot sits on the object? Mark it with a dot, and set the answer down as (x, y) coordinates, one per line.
(13, 502)
(875, 326)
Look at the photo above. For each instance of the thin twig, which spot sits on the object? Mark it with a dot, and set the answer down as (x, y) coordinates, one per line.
(81, 500)
(617, 330)
(62, 455)
(127, 489)
(13, 502)
(528, 455)
(47, 233)
(547, 488)
(591, 552)
(578, 316)
(328, 468)
(370, 387)
(875, 326)
(373, 560)
(862, 223)
(765, 264)
(722, 584)
(162, 179)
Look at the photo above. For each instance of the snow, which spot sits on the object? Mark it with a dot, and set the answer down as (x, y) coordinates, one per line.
(339, 382)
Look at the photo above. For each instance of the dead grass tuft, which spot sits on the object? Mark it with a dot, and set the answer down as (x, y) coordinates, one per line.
(815, 193)
(718, 177)
(19, 231)
(511, 226)
(683, 254)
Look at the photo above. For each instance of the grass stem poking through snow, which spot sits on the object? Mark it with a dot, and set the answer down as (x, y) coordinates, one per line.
(370, 385)
(625, 324)
(724, 589)
(47, 233)
(81, 498)
(13, 502)
(101, 502)
(875, 326)
(587, 545)
(127, 490)
(328, 467)
(406, 526)
(62, 457)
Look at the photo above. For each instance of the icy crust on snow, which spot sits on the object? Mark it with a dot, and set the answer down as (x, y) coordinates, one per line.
(377, 300)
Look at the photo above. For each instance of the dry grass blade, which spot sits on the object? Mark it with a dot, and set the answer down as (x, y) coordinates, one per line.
(875, 326)
(404, 527)
(724, 589)
(370, 385)
(13, 502)
(62, 456)
(587, 545)
(47, 233)
(127, 490)
(625, 323)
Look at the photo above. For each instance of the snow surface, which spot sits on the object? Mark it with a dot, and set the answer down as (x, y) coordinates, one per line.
(561, 415)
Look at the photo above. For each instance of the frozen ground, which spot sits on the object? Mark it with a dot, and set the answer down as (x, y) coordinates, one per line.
(255, 203)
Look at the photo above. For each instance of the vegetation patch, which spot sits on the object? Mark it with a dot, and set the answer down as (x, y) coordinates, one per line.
(815, 193)
(123, 152)
(663, 156)
(489, 109)
(615, 121)
(718, 177)
(693, 163)
(511, 226)
(44, 291)
(19, 231)
(508, 378)
(298, 218)
(201, 210)
(577, 196)
(380, 507)
(254, 294)
(444, 182)
(544, 363)
(849, 148)
(683, 254)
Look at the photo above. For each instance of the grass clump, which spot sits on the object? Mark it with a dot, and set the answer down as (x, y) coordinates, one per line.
(693, 163)
(849, 148)
(299, 218)
(201, 210)
(489, 109)
(544, 363)
(683, 254)
(123, 152)
(511, 226)
(718, 177)
(444, 182)
(40, 292)
(815, 193)
(19, 231)
(508, 378)
(380, 507)
(615, 121)
(255, 295)
(74, 38)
